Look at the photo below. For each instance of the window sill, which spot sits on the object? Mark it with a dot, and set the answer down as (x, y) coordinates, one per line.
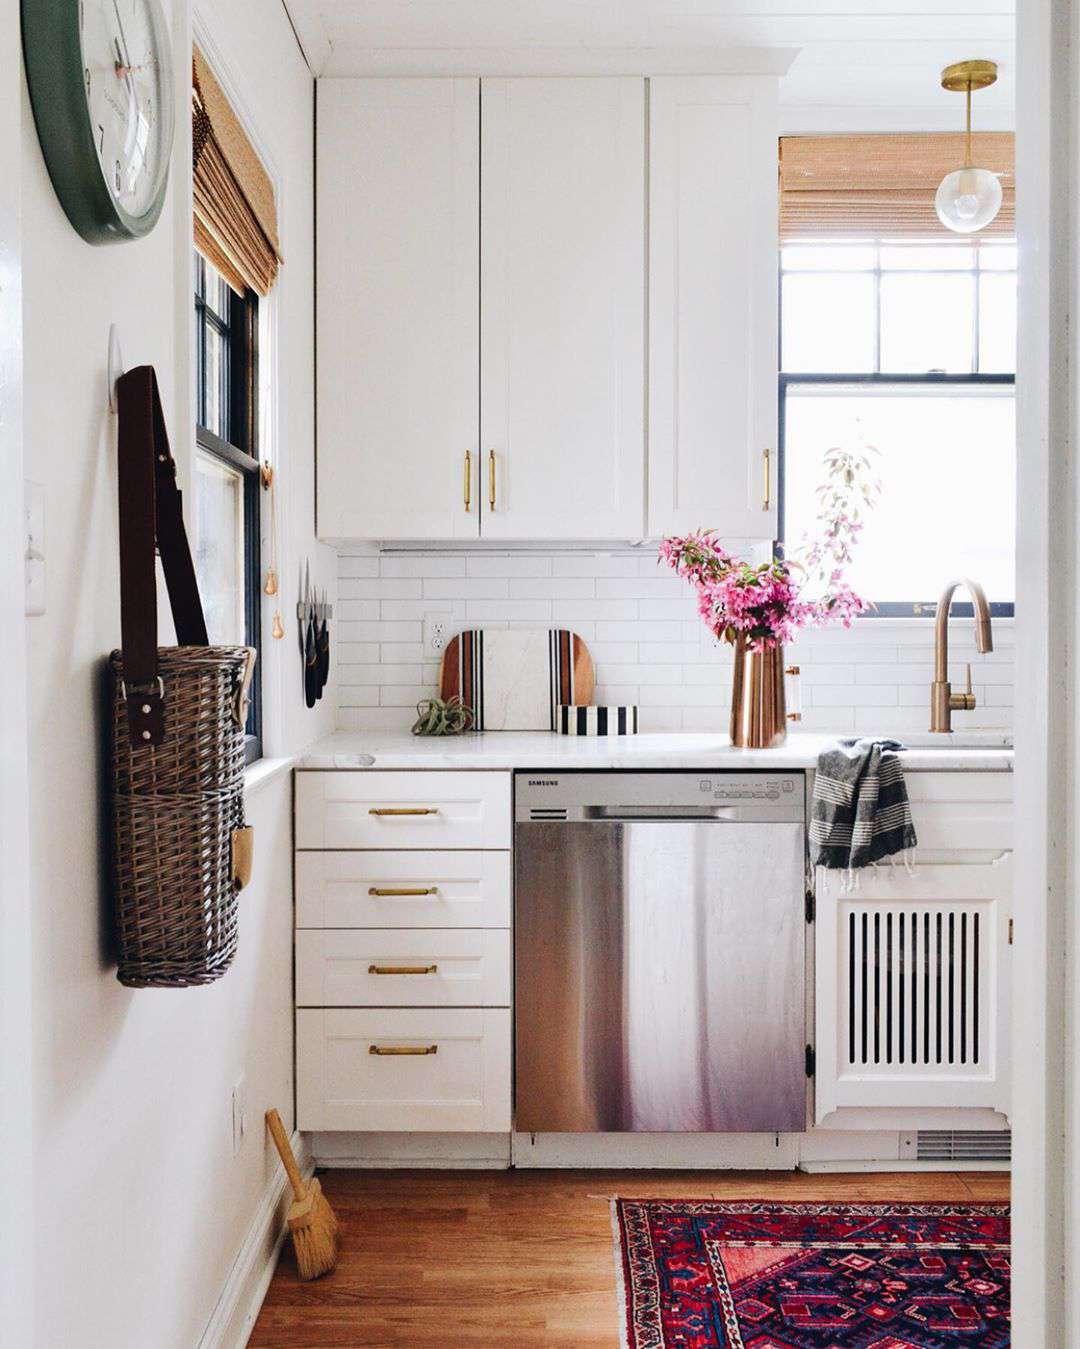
(262, 772)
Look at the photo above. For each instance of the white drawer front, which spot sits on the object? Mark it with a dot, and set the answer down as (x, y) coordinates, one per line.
(402, 810)
(394, 967)
(369, 889)
(456, 1080)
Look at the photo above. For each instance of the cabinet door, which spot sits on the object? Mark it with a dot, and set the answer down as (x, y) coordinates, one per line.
(398, 340)
(563, 308)
(713, 305)
(912, 990)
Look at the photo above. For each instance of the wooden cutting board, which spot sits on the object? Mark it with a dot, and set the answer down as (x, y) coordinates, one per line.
(514, 679)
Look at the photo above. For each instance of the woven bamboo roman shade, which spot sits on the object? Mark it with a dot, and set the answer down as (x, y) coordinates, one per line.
(235, 211)
(843, 186)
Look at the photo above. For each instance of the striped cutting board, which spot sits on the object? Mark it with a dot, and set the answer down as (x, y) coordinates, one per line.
(515, 679)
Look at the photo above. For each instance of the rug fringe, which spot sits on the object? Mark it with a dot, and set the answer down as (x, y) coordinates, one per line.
(621, 1291)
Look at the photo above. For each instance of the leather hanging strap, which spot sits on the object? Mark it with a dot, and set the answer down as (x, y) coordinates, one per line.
(150, 514)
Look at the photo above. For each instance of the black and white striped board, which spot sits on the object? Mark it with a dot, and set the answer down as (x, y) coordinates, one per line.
(595, 720)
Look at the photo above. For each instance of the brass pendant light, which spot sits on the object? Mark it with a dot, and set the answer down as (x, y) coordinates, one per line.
(969, 198)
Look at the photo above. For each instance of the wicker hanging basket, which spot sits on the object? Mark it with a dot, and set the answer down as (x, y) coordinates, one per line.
(180, 851)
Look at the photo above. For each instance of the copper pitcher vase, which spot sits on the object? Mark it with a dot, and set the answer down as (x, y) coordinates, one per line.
(759, 715)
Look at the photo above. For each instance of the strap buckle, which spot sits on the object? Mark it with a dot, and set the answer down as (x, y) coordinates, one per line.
(143, 688)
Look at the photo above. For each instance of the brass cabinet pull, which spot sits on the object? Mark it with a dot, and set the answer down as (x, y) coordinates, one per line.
(491, 479)
(386, 890)
(403, 969)
(766, 501)
(468, 480)
(387, 1050)
(403, 810)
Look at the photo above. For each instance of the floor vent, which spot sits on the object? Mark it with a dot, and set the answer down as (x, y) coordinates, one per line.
(963, 1145)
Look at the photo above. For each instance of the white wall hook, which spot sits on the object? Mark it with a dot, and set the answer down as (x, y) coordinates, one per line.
(115, 365)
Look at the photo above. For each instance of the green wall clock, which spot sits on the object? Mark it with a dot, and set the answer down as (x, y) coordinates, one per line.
(101, 85)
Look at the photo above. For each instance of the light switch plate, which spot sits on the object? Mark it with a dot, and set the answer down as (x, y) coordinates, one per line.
(34, 530)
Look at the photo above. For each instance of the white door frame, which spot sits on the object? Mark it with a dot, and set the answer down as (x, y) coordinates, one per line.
(1046, 717)
(17, 1241)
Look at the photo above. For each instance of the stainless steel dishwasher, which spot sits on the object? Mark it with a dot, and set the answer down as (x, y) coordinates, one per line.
(659, 943)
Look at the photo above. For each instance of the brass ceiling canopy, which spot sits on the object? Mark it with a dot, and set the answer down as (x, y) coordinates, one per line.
(969, 75)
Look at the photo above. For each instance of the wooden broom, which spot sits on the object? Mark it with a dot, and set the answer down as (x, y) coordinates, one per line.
(311, 1219)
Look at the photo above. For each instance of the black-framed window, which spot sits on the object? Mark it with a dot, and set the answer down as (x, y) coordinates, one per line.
(227, 475)
(908, 346)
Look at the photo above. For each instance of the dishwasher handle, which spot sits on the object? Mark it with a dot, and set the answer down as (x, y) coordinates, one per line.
(636, 813)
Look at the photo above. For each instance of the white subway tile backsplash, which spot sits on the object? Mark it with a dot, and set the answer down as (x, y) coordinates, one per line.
(593, 567)
(507, 565)
(648, 645)
(553, 588)
(467, 588)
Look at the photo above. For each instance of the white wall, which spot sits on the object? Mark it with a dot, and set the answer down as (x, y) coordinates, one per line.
(648, 644)
(140, 1207)
(16, 1176)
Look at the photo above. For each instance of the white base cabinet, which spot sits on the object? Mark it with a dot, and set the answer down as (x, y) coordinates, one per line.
(403, 952)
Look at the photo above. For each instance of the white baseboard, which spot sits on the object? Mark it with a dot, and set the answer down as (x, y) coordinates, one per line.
(417, 1152)
(903, 1167)
(237, 1308)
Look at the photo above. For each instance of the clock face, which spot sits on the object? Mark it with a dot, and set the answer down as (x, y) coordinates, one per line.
(127, 77)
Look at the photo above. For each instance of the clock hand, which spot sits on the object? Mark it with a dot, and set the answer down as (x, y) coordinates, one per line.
(123, 37)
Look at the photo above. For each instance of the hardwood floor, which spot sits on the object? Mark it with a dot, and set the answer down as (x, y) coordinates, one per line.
(487, 1259)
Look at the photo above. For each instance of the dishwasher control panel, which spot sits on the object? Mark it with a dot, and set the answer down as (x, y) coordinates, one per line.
(585, 795)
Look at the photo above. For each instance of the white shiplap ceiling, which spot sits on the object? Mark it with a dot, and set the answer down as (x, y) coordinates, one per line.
(858, 64)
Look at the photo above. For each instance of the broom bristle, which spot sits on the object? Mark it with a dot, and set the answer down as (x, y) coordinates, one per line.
(314, 1231)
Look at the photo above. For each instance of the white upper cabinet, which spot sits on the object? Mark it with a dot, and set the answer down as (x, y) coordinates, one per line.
(562, 372)
(398, 220)
(484, 302)
(713, 305)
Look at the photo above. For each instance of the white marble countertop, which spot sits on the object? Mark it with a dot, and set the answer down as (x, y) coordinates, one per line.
(973, 751)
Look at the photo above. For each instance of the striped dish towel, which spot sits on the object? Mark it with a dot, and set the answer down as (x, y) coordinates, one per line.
(860, 812)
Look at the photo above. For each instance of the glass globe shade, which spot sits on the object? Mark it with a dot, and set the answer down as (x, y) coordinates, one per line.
(968, 200)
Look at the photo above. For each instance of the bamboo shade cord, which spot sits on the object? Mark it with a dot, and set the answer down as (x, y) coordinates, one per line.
(845, 186)
(235, 210)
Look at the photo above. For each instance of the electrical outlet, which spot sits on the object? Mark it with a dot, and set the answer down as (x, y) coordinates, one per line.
(437, 630)
(239, 1114)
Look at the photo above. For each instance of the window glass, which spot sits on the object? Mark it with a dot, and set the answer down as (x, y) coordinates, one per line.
(828, 322)
(997, 323)
(219, 548)
(927, 322)
(829, 257)
(947, 467)
(941, 317)
(927, 257)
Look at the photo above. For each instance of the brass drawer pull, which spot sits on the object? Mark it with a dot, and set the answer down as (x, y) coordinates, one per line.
(491, 479)
(398, 892)
(385, 1051)
(766, 502)
(403, 969)
(403, 810)
(468, 480)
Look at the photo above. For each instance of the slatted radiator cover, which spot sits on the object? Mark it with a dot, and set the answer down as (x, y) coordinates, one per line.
(912, 993)
(917, 987)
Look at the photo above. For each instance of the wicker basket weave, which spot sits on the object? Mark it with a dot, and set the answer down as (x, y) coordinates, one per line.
(175, 806)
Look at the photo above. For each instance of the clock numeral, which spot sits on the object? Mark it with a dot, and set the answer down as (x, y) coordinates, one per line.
(86, 73)
(101, 139)
(116, 174)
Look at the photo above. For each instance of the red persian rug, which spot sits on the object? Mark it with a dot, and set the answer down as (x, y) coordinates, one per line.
(709, 1275)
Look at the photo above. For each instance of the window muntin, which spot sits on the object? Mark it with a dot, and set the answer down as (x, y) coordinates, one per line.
(226, 477)
(910, 347)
